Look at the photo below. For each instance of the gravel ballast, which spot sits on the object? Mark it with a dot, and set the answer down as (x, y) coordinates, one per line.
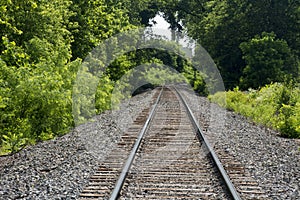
(60, 168)
(273, 161)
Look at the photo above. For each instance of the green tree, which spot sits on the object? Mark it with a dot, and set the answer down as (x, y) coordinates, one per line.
(95, 21)
(268, 60)
(221, 26)
(141, 12)
(35, 71)
(30, 23)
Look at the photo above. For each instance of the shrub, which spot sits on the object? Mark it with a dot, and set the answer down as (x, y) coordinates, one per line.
(275, 105)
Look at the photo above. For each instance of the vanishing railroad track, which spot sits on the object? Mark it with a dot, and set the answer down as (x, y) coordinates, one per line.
(164, 155)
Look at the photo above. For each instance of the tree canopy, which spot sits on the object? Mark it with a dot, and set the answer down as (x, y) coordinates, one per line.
(221, 27)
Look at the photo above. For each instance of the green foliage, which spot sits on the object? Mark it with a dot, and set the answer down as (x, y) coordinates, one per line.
(35, 72)
(36, 107)
(83, 96)
(268, 60)
(132, 59)
(41, 42)
(158, 74)
(29, 19)
(95, 21)
(44, 41)
(274, 105)
(15, 136)
(104, 95)
(141, 12)
(195, 79)
(221, 26)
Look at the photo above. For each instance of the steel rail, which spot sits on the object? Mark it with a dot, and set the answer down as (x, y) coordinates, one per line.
(119, 184)
(234, 194)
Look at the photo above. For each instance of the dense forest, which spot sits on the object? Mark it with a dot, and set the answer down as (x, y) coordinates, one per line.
(44, 42)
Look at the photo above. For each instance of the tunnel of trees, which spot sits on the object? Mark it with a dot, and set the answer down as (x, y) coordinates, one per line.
(44, 42)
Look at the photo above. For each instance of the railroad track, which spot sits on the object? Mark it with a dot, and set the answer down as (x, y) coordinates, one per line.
(164, 155)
